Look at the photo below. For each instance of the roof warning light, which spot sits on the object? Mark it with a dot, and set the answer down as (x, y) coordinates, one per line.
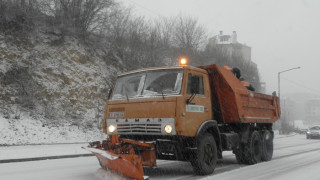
(183, 61)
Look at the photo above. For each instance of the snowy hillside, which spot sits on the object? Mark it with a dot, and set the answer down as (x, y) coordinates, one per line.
(45, 85)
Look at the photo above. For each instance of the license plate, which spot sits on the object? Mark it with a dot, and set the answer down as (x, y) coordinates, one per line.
(116, 114)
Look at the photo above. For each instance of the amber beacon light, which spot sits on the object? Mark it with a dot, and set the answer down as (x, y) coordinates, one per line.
(183, 61)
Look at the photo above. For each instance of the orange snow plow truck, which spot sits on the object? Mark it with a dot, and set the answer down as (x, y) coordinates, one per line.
(184, 113)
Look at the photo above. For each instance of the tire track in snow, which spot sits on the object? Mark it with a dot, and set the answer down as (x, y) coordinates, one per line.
(222, 167)
(314, 142)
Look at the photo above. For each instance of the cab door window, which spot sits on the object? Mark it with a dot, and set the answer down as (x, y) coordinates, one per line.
(195, 84)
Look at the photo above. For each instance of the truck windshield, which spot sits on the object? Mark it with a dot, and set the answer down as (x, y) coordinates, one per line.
(148, 83)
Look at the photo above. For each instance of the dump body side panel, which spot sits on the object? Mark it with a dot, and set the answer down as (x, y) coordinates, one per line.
(259, 108)
(233, 103)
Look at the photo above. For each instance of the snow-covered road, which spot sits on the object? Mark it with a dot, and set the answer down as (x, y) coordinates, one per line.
(295, 157)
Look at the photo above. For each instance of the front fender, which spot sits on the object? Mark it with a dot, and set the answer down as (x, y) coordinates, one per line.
(211, 127)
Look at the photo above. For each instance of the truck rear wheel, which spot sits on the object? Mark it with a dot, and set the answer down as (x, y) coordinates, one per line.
(267, 146)
(253, 152)
(205, 157)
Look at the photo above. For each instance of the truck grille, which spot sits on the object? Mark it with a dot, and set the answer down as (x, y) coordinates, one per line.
(139, 128)
(149, 126)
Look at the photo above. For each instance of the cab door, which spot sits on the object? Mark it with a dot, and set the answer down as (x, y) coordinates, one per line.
(197, 102)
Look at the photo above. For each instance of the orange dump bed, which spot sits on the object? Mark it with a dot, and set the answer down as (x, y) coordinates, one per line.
(233, 103)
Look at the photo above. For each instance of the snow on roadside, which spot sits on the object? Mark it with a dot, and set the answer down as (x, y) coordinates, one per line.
(30, 131)
(18, 152)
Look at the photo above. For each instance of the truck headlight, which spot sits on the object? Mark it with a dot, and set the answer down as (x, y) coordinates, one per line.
(112, 128)
(168, 128)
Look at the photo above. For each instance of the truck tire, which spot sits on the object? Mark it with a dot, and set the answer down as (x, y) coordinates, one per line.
(253, 149)
(267, 146)
(205, 157)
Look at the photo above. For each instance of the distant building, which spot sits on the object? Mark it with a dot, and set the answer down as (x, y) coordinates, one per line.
(312, 112)
(230, 45)
(226, 39)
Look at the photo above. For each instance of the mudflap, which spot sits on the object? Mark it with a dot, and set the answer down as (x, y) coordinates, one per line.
(124, 156)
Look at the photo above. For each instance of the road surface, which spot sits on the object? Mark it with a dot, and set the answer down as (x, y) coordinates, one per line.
(295, 157)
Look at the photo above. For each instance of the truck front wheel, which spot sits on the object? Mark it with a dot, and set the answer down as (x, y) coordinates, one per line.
(205, 157)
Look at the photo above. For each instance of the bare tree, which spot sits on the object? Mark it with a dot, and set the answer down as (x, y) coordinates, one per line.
(77, 17)
(188, 33)
(18, 15)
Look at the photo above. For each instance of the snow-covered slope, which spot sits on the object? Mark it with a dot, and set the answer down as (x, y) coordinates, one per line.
(46, 83)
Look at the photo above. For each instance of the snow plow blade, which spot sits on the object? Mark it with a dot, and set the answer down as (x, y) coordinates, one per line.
(124, 156)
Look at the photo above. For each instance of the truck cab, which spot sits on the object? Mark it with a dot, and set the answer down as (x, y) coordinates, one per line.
(159, 103)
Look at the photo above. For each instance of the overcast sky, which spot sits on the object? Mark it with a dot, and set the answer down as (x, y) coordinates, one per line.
(283, 34)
